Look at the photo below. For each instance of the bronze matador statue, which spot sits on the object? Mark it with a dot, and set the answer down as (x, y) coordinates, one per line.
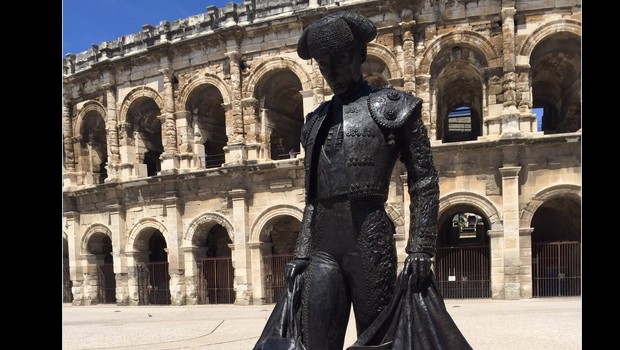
(346, 253)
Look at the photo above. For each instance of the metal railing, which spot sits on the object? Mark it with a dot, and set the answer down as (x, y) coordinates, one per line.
(556, 269)
(275, 268)
(215, 285)
(463, 272)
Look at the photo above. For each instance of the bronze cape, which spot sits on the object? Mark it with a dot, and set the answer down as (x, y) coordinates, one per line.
(414, 319)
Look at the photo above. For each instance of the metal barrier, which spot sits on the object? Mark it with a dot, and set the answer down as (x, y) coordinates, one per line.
(153, 283)
(556, 269)
(463, 272)
(215, 285)
(275, 268)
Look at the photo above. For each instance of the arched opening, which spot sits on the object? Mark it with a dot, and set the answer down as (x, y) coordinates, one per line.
(459, 100)
(100, 246)
(556, 248)
(281, 113)
(216, 273)
(67, 294)
(375, 72)
(144, 130)
(152, 268)
(93, 147)
(278, 238)
(556, 83)
(208, 123)
(462, 262)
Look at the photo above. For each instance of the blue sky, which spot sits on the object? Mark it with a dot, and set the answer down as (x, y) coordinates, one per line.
(85, 22)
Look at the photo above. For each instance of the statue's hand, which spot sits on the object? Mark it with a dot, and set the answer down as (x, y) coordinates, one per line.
(294, 268)
(418, 267)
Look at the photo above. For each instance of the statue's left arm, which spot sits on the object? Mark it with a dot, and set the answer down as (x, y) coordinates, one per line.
(423, 187)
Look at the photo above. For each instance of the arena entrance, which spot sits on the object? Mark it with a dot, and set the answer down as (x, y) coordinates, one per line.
(100, 246)
(280, 234)
(67, 294)
(153, 277)
(556, 248)
(216, 282)
(462, 263)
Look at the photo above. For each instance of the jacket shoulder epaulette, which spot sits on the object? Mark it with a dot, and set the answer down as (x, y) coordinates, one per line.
(391, 108)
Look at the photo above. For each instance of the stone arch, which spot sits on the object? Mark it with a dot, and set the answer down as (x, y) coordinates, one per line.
(551, 28)
(143, 224)
(92, 230)
(476, 200)
(270, 213)
(472, 40)
(215, 218)
(382, 53)
(527, 214)
(136, 93)
(203, 79)
(90, 106)
(274, 63)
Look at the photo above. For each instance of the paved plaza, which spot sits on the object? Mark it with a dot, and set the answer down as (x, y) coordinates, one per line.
(541, 323)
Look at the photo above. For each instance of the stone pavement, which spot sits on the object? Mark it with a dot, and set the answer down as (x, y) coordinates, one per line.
(540, 323)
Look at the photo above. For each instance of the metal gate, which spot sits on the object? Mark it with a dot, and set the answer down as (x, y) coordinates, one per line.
(67, 295)
(463, 272)
(107, 284)
(556, 269)
(153, 284)
(275, 268)
(216, 283)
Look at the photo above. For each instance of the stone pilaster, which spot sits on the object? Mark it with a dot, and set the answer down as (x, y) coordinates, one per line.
(169, 163)
(512, 251)
(408, 56)
(176, 268)
(240, 253)
(116, 224)
(114, 157)
(525, 245)
(510, 116)
(234, 116)
(496, 243)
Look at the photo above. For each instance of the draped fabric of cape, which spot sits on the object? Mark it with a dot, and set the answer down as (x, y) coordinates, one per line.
(283, 328)
(415, 319)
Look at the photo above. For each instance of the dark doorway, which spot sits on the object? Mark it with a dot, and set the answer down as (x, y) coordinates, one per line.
(462, 262)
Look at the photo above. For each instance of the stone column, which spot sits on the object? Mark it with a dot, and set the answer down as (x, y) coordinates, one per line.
(252, 122)
(525, 244)
(235, 150)
(408, 56)
(496, 244)
(71, 229)
(240, 253)
(510, 218)
(429, 113)
(176, 268)
(69, 176)
(169, 163)
(235, 117)
(114, 157)
(257, 251)
(116, 223)
(509, 117)
(191, 255)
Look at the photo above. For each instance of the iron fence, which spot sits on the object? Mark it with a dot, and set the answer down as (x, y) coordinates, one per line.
(216, 283)
(463, 272)
(556, 269)
(275, 269)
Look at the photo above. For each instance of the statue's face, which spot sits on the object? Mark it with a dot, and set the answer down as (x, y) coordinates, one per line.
(342, 70)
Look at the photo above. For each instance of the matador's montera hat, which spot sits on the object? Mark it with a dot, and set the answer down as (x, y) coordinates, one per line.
(335, 32)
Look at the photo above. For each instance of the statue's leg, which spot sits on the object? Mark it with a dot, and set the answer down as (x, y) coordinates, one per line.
(325, 304)
(370, 266)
